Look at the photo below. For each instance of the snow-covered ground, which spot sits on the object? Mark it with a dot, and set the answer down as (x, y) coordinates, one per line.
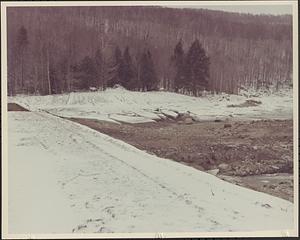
(65, 177)
(120, 105)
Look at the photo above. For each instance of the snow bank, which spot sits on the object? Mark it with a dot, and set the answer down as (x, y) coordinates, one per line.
(147, 106)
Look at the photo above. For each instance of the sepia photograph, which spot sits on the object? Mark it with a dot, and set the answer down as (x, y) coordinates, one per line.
(149, 119)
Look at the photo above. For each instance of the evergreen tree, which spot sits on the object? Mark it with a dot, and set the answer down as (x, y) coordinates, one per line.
(129, 78)
(85, 73)
(100, 68)
(148, 76)
(178, 61)
(115, 71)
(22, 43)
(197, 68)
(57, 75)
(53, 75)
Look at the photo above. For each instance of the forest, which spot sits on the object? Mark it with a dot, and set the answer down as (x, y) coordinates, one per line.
(53, 50)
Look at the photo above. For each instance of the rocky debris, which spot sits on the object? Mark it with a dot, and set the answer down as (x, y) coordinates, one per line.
(223, 166)
(195, 117)
(162, 116)
(280, 185)
(218, 120)
(185, 118)
(252, 102)
(247, 103)
(169, 114)
(227, 125)
(188, 120)
(182, 116)
(248, 167)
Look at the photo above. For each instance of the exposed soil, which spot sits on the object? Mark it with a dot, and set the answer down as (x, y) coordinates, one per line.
(253, 154)
(15, 107)
(247, 103)
(241, 152)
(277, 184)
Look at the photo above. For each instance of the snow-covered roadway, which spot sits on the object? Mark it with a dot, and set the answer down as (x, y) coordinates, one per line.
(65, 177)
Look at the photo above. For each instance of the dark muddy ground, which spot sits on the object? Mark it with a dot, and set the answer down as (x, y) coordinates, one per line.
(254, 154)
(15, 107)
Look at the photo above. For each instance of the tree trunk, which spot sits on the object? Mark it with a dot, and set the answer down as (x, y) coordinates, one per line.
(48, 72)
(22, 71)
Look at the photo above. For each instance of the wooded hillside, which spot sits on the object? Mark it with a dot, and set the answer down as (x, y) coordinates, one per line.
(62, 49)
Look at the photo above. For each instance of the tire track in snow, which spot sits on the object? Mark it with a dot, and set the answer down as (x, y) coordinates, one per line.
(76, 132)
(181, 197)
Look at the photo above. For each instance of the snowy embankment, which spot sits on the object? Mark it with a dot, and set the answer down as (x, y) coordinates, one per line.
(119, 105)
(65, 177)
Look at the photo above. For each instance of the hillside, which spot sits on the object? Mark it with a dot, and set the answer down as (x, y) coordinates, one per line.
(243, 49)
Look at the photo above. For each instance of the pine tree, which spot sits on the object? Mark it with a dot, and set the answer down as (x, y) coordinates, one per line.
(178, 61)
(85, 74)
(148, 76)
(115, 71)
(197, 68)
(100, 68)
(129, 76)
(22, 43)
(55, 79)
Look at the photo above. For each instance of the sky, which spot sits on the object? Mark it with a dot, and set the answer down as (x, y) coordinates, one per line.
(252, 9)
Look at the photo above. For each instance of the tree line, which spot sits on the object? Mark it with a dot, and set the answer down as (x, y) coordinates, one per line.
(62, 49)
(93, 72)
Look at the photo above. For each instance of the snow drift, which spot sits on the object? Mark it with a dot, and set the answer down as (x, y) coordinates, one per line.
(120, 105)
